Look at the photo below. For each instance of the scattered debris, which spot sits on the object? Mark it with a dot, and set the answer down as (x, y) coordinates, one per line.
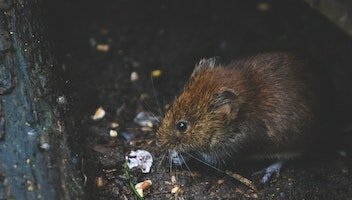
(45, 146)
(173, 179)
(61, 100)
(243, 180)
(175, 190)
(146, 119)
(113, 133)
(30, 185)
(140, 187)
(221, 181)
(134, 76)
(114, 125)
(44, 141)
(156, 73)
(99, 114)
(103, 47)
(100, 182)
(146, 129)
(141, 159)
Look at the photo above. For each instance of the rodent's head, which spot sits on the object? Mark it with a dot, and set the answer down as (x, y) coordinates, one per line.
(198, 118)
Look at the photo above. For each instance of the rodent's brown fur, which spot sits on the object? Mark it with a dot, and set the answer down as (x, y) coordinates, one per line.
(268, 105)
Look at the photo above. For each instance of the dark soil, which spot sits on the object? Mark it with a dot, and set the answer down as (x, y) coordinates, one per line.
(172, 36)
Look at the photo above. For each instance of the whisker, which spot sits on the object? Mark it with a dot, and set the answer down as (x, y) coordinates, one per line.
(183, 160)
(139, 128)
(207, 164)
(148, 107)
(154, 93)
(170, 163)
(161, 161)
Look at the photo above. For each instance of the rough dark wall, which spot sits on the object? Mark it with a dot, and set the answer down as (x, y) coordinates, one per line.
(34, 158)
(338, 11)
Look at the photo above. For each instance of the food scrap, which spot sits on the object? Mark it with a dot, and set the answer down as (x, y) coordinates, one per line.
(156, 73)
(175, 190)
(141, 159)
(99, 114)
(113, 133)
(103, 47)
(114, 125)
(140, 187)
(134, 76)
(100, 182)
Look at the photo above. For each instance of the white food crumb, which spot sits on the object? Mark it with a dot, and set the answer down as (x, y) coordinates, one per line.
(141, 159)
(113, 133)
(134, 76)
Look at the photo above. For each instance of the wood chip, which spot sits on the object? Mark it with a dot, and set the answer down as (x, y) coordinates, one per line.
(243, 180)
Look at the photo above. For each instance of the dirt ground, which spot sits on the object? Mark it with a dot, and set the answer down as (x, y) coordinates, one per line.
(171, 36)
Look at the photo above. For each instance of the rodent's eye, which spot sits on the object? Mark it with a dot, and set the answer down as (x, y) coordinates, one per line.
(182, 126)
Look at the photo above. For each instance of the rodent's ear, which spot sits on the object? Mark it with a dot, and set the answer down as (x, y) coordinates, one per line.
(226, 102)
(206, 63)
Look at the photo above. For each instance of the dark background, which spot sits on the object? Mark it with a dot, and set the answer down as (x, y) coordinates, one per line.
(172, 36)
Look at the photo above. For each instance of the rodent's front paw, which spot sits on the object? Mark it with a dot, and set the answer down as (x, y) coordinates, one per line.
(268, 172)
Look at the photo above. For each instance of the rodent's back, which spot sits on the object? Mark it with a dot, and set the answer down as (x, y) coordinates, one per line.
(269, 104)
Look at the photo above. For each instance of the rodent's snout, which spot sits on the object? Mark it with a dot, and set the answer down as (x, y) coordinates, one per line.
(165, 141)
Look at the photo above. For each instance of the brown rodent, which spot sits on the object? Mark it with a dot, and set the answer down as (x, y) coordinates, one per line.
(269, 105)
